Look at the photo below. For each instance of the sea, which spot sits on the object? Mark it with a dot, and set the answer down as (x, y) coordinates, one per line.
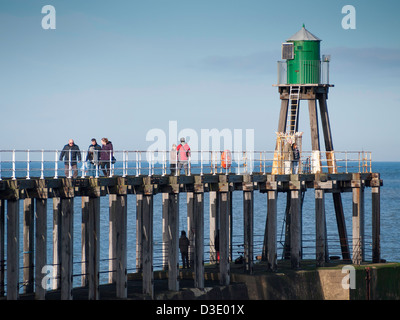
(390, 224)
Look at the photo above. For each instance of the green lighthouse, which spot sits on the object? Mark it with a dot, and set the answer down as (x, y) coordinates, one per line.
(302, 53)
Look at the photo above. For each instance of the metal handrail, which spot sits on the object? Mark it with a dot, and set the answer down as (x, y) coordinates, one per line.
(306, 69)
(46, 163)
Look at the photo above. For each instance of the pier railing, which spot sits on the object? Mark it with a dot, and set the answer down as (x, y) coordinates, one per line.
(47, 164)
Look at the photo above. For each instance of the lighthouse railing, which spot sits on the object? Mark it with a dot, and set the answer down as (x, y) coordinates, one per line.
(310, 71)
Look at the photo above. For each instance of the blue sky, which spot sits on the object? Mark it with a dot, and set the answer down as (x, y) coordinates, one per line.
(118, 69)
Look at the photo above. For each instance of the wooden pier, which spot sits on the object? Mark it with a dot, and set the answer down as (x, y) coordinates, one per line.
(35, 192)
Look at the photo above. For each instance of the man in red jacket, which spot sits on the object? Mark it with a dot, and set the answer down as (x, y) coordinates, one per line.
(183, 151)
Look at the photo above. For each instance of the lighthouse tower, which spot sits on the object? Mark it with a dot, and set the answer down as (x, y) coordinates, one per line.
(303, 75)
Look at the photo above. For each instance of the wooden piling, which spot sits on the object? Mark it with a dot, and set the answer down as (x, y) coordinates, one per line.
(93, 248)
(147, 243)
(139, 229)
(164, 226)
(2, 247)
(376, 217)
(41, 249)
(295, 229)
(112, 198)
(248, 224)
(283, 115)
(67, 217)
(121, 247)
(172, 237)
(12, 249)
(56, 243)
(28, 244)
(337, 197)
(224, 265)
(230, 197)
(320, 229)
(214, 223)
(270, 246)
(85, 240)
(312, 109)
(198, 213)
(358, 219)
(190, 226)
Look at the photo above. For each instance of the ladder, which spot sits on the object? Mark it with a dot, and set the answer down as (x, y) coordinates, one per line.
(294, 98)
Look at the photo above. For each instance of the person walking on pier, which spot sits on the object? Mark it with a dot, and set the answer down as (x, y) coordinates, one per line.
(183, 151)
(71, 155)
(106, 156)
(184, 248)
(92, 157)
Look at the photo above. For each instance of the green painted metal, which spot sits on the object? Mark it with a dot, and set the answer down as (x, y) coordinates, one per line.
(305, 67)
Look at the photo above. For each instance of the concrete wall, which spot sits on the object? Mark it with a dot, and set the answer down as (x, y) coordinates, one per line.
(372, 282)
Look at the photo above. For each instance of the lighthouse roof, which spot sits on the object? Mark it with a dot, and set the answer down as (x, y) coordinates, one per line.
(303, 34)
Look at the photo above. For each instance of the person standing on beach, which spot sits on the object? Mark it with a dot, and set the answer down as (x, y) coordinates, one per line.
(71, 155)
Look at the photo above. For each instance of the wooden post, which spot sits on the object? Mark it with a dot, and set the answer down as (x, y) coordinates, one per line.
(41, 248)
(190, 226)
(320, 228)
(172, 219)
(337, 197)
(214, 223)
(224, 265)
(12, 249)
(112, 237)
(341, 224)
(2, 247)
(139, 229)
(165, 237)
(358, 219)
(286, 247)
(283, 115)
(198, 211)
(248, 224)
(295, 229)
(56, 242)
(271, 230)
(121, 247)
(85, 240)
(326, 127)
(147, 243)
(376, 217)
(28, 244)
(312, 109)
(67, 217)
(230, 197)
(93, 247)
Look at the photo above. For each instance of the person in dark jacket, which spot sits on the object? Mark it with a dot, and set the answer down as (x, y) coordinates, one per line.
(296, 158)
(92, 157)
(184, 248)
(71, 155)
(106, 156)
